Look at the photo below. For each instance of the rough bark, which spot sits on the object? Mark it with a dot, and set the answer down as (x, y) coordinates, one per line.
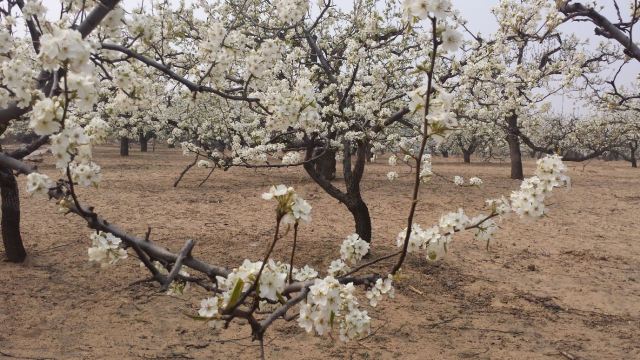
(13, 247)
(466, 155)
(351, 198)
(361, 217)
(326, 164)
(514, 148)
(604, 27)
(124, 146)
(144, 143)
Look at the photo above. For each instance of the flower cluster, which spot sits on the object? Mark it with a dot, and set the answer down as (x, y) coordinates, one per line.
(106, 249)
(423, 8)
(204, 164)
(85, 174)
(453, 221)
(451, 40)
(271, 284)
(39, 184)
(16, 75)
(484, 228)
(292, 157)
(291, 208)
(330, 303)
(475, 181)
(46, 116)
(353, 249)
(304, 274)
(552, 171)
(209, 308)
(380, 288)
(426, 169)
(34, 8)
(291, 11)
(529, 200)
(292, 106)
(430, 240)
(64, 46)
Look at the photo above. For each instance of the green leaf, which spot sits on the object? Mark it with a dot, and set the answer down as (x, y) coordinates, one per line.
(235, 294)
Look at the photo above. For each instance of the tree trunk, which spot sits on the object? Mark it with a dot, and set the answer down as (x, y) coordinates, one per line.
(352, 176)
(369, 153)
(326, 164)
(445, 153)
(11, 238)
(467, 156)
(634, 161)
(124, 146)
(360, 212)
(514, 148)
(144, 142)
(634, 147)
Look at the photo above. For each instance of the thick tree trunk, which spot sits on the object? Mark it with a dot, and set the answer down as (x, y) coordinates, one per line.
(352, 176)
(326, 164)
(144, 143)
(445, 153)
(11, 238)
(467, 156)
(514, 148)
(634, 147)
(124, 146)
(634, 161)
(362, 218)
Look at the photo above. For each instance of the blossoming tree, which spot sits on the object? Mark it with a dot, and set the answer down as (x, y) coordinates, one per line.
(515, 72)
(61, 102)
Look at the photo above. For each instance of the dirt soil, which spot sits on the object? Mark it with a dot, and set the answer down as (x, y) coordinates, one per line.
(564, 287)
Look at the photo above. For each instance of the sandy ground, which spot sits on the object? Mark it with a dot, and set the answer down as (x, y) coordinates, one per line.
(564, 287)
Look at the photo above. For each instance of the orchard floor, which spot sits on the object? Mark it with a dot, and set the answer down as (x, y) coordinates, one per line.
(564, 287)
